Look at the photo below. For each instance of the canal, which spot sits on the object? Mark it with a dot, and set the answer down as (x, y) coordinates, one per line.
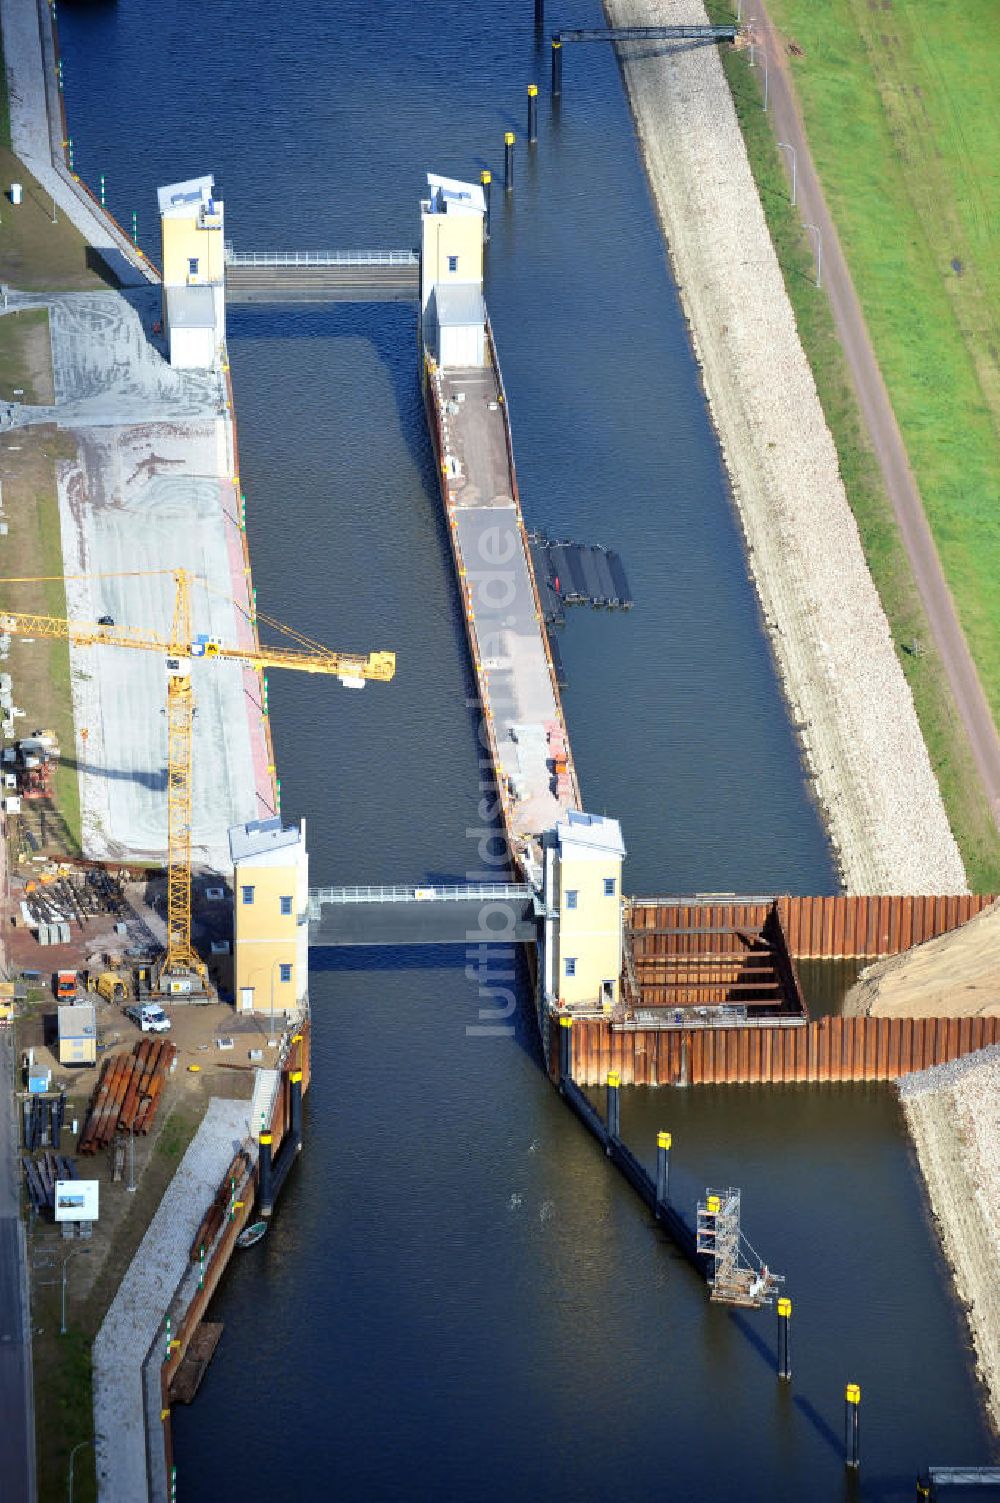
(457, 1297)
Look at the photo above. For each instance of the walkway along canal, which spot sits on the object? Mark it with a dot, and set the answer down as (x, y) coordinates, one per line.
(520, 1291)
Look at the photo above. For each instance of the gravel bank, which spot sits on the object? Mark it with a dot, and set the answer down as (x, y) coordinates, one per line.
(831, 640)
(953, 1113)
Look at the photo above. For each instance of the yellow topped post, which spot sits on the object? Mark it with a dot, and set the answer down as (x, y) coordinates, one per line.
(614, 1108)
(784, 1358)
(663, 1142)
(852, 1440)
(565, 1050)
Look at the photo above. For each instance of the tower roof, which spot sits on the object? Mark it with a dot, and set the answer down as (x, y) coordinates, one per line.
(449, 196)
(592, 832)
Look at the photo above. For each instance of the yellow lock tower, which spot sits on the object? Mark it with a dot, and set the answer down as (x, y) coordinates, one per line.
(192, 229)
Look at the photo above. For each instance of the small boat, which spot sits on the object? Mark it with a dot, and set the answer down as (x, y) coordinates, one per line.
(252, 1234)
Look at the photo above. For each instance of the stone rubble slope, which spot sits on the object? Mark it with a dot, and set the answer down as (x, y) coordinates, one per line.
(846, 688)
(953, 1113)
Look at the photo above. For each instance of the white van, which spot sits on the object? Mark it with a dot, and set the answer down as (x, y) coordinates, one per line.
(149, 1017)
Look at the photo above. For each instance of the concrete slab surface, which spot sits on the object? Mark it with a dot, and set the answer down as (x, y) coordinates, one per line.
(138, 1309)
(150, 491)
(107, 367)
(515, 674)
(139, 502)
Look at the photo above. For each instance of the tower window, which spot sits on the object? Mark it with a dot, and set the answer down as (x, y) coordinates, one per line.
(285, 972)
(610, 884)
(246, 894)
(571, 896)
(192, 266)
(452, 263)
(570, 965)
(286, 907)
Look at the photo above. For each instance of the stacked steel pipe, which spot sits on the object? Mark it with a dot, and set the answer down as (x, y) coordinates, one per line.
(127, 1094)
(41, 1175)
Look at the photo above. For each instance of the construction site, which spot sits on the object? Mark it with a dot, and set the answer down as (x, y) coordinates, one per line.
(157, 905)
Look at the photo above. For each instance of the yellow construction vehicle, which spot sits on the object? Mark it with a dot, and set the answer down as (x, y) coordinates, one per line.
(180, 650)
(109, 985)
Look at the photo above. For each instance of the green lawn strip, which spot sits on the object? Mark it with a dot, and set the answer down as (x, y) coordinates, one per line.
(949, 751)
(15, 366)
(64, 1412)
(66, 782)
(905, 136)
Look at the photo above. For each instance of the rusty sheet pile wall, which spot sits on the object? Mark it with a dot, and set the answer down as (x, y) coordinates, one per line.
(220, 1233)
(829, 1049)
(688, 954)
(818, 928)
(865, 928)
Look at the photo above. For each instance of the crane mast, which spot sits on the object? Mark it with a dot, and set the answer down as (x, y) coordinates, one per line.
(180, 649)
(180, 959)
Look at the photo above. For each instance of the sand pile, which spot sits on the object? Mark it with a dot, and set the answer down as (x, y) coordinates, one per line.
(954, 976)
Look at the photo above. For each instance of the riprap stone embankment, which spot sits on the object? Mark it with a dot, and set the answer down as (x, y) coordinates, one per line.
(953, 1113)
(846, 688)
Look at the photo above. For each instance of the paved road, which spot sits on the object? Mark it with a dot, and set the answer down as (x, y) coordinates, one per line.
(17, 1418)
(880, 419)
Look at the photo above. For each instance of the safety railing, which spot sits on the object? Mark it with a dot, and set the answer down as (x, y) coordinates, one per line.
(429, 893)
(250, 259)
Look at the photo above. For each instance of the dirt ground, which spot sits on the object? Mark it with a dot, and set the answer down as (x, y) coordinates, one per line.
(954, 976)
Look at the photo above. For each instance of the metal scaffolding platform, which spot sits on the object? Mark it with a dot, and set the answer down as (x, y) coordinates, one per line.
(733, 1280)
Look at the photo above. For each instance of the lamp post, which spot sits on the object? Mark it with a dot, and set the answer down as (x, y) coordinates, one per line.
(72, 1458)
(131, 1186)
(819, 253)
(256, 972)
(79, 1252)
(786, 146)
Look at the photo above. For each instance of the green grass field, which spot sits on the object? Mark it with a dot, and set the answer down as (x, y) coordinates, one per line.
(924, 402)
(900, 106)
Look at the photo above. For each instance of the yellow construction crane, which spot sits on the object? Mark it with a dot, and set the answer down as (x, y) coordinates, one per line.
(179, 650)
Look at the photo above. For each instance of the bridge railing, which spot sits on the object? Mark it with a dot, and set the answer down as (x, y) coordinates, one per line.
(428, 893)
(252, 259)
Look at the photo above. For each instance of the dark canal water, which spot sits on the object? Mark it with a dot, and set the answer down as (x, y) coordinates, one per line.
(458, 1299)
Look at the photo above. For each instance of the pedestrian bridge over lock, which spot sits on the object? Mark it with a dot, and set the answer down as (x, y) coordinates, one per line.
(344, 276)
(443, 914)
